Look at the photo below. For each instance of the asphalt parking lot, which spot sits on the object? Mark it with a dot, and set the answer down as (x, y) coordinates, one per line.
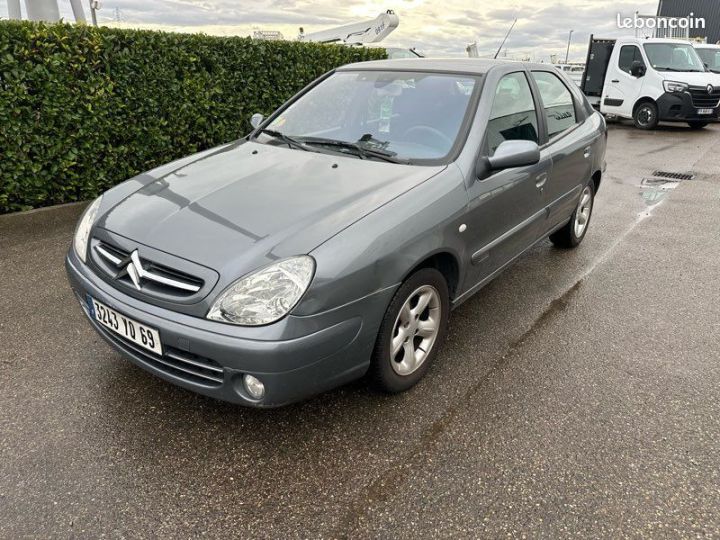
(578, 394)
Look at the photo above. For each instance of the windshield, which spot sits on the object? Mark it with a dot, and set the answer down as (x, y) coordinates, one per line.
(673, 57)
(410, 116)
(711, 58)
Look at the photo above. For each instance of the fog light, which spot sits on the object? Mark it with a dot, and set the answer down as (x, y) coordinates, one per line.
(254, 387)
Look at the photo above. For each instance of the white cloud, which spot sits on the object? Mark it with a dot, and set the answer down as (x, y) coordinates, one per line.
(436, 27)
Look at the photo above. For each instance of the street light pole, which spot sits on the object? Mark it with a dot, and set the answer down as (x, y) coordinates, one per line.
(94, 4)
(567, 53)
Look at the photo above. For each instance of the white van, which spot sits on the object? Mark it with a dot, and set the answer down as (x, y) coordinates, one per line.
(651, 80)
(710, 55)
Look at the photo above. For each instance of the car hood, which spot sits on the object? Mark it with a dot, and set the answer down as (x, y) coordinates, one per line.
(248, 204)
(692, 78)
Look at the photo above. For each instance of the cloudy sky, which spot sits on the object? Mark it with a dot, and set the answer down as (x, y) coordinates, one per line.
(436, 27)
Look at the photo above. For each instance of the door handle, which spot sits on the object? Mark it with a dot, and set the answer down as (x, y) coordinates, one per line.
(588, 152)
(540, 180)
(615, 81)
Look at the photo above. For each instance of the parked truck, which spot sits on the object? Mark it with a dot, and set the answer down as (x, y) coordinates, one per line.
(651, 80)
(710, 55)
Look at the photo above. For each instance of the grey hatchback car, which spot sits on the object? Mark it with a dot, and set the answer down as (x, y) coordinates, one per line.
(335, 239)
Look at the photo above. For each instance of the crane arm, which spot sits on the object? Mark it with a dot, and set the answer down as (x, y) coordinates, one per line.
(371, 31)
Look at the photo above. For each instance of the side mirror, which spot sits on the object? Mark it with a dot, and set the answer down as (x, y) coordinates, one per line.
(637, 69)
(256, 119)
(512, 154)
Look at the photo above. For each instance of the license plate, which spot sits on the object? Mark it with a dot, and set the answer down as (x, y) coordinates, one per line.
(705, 111)
(144, 336)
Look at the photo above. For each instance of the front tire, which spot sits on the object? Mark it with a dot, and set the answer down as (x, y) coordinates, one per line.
(697, 124)
(646, 116)
(574, 231)
(411, 332)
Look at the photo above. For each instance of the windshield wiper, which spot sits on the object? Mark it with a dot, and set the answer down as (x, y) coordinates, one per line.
(292, 142)
(678, 70)
(363, 152)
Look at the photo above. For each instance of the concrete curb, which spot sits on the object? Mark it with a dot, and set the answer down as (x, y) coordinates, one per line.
(46, 218)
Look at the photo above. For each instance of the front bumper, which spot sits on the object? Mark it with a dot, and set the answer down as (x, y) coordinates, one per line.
(679, 107)
(295, 358)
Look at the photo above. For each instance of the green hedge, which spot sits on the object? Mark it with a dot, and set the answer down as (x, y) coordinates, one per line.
(82, 108)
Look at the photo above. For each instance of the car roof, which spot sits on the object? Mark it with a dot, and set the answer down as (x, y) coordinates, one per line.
(475, 66)
(707, 46)
(643, 41)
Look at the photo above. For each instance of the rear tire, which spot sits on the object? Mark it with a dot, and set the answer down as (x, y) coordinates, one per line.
(646, 115)
(574, 231)
(697, 124)
(411, 334)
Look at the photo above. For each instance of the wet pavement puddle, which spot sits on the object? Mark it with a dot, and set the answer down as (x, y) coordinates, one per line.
(653, 189)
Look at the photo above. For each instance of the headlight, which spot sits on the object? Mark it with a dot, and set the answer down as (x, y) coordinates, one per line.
(266, 295)
(673, 86)
(82, 233)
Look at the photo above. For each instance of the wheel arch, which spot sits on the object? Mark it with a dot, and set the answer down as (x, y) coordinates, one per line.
(640, 101)
(446, 263)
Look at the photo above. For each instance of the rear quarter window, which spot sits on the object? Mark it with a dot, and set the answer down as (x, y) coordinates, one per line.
(558, 102)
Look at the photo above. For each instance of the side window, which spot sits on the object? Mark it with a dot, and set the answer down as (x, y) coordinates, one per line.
(558, 102)
(513, 116)
(628, 55)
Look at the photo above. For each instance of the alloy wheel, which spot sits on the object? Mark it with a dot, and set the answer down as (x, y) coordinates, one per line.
(582, 214)
(416, 330)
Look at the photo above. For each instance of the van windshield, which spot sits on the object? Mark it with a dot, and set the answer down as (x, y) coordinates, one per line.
(404, 115)
(711, 58)
(673, 57)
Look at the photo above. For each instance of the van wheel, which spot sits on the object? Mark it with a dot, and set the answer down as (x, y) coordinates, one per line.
(412, 330)
(574, 230)
(646, 116)
(697, 124)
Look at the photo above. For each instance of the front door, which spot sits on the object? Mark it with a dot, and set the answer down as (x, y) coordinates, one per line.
(622, 89)
(505, 212)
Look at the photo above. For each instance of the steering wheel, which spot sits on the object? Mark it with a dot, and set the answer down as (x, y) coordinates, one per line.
(428, 130)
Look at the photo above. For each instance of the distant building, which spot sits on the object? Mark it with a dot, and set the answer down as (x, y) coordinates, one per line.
(707, 9)
(268, 35)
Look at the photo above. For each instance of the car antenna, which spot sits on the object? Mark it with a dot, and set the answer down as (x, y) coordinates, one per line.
(504, 40)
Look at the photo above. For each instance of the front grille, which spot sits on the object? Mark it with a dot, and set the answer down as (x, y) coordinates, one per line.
(144, 275)
(702, 99)
(183, 365)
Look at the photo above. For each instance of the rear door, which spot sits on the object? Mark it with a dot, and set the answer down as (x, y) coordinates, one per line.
(569, 145)
(622, 88)
(505, 211)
